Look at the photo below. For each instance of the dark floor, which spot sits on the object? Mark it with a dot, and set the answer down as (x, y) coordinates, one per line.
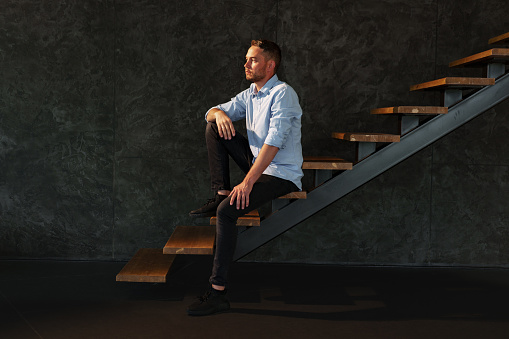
(48, 299)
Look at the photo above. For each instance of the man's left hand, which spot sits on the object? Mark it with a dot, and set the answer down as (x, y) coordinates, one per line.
(240, 195)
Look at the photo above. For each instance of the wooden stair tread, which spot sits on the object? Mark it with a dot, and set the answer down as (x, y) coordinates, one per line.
(501, 39)
(326, 163)
(367, 137)
(411, 110)
(250, 219)
(191, 240)
(147, 265)
(453, 82)
(493, 55)
(295, 195)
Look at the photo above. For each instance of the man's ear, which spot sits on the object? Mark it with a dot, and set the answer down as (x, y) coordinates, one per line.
(271, 65)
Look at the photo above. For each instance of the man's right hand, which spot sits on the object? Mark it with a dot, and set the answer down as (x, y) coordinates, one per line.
(224, 124)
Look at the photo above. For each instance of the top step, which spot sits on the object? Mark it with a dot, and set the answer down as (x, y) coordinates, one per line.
(495, 55)
(501, 39)
(411, 110)
(453, 82)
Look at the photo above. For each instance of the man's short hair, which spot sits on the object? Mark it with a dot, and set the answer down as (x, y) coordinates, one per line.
(271, 51)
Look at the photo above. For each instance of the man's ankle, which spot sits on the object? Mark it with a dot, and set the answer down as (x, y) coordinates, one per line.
(218, 288)
(223, 192)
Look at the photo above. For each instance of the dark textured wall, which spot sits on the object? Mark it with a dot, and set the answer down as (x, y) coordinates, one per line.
(101, 124)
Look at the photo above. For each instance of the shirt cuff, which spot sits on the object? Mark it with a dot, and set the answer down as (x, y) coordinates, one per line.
(275, 138)
(208, 113)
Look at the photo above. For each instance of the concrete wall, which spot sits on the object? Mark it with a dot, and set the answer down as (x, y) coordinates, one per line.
(101, 124)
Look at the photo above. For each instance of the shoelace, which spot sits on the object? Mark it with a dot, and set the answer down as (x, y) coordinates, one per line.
(210, 201)
(204, 297)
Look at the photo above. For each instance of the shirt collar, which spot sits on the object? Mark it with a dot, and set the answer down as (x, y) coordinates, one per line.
(267, 87)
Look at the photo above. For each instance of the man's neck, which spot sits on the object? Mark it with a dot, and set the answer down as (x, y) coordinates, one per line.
(259, 84)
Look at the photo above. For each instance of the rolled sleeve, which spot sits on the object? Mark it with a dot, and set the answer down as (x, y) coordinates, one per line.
(284, 110)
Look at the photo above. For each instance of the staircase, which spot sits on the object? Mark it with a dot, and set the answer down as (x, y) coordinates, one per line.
(462, 99)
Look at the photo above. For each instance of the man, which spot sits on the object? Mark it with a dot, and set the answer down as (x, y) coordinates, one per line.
(271, 157)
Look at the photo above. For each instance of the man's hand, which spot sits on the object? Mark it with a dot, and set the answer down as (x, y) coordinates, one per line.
(240, 194)
(224, 124)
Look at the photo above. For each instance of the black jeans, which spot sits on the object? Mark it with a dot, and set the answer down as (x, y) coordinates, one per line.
(265, 189)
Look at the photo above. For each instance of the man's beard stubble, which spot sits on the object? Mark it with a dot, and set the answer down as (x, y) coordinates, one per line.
(255, 77)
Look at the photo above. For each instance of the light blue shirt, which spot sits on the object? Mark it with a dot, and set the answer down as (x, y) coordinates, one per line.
(273, 117)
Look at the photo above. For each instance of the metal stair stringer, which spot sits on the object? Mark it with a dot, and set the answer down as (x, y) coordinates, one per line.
(381, 161)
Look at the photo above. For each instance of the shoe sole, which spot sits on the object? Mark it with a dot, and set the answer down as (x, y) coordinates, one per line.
(201, 314)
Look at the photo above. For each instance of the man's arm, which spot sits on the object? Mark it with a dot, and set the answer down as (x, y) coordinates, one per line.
(224, 114)
(240, 193)
(223, 122)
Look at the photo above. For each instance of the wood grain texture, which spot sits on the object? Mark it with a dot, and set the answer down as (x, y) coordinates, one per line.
(191, 240)
(294, 195)
(250, 219)
(501, 39)
(367, 137)
(500, 55)
(326, 163)
(411, 110)
(147, 265)
(453, 82)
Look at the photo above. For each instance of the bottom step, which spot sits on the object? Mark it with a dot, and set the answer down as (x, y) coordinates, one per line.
(147, 265)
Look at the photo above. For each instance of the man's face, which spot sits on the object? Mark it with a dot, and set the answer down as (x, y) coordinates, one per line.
(256, 65)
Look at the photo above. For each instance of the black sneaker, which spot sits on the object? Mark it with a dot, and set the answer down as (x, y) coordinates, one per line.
(210, 303)
(209, 209)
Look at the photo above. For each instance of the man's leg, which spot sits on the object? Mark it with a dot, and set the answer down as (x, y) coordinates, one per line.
(264, 190)
(219, 151)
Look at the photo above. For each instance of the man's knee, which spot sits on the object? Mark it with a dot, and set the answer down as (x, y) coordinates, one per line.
(225, 210)
(211, 129)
